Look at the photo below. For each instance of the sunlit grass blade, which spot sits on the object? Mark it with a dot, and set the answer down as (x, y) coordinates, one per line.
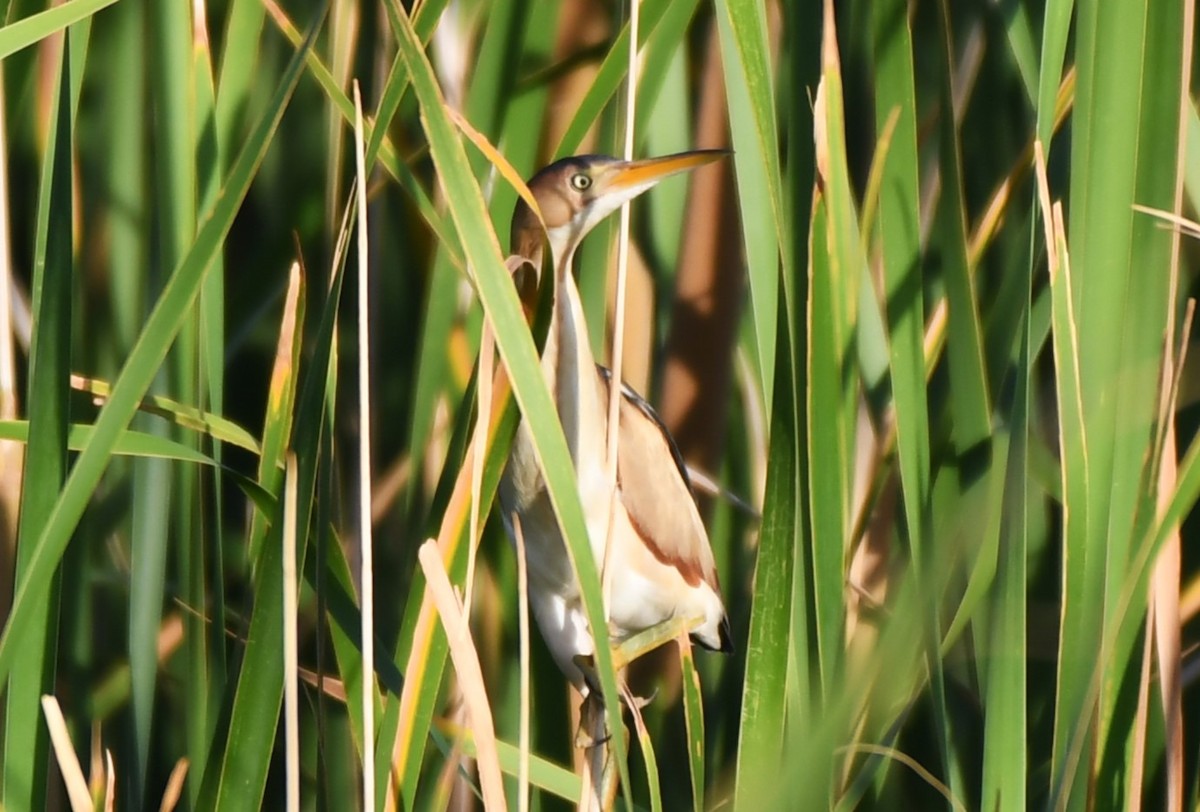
(1073, 441)
(189, 417)
(291, 688)
(25, 32)
(781, 589)
(129, 443)
(647, 745)
(1056, 27)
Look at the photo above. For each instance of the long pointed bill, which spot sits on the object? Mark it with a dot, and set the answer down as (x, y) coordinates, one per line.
(643, 174)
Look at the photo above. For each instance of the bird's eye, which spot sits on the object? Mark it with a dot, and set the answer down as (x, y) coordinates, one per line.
(580, 182)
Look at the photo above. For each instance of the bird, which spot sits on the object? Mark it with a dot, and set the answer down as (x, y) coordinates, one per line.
(662, 562)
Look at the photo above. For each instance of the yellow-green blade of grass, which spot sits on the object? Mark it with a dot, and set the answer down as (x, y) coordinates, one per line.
(197, 420)
(516, 347)
(653, 785)
(26, 740)
(742, 29)
(25, 32)
(130, 443)
(140, 369)
(1080, 610)
(1006, 736)
(546, 775)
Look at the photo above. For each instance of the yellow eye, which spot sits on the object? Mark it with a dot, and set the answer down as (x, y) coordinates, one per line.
(580, 182)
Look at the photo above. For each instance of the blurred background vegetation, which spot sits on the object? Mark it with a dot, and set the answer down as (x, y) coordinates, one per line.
(965, 424)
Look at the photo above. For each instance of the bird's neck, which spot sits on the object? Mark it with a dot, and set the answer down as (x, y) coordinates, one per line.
(567, 361)
(570, 371)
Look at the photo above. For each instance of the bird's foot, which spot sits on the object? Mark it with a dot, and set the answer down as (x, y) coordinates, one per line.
(646, 641)
(593, 728)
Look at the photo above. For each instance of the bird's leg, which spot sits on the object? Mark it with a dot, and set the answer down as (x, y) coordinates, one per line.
(600, 773)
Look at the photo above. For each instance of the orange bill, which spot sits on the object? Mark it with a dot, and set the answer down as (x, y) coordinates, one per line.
(652, 170)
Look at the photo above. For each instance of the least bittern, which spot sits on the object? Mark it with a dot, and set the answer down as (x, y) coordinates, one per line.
(662, 564)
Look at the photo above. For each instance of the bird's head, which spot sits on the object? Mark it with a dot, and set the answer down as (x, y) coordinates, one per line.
(574, 194)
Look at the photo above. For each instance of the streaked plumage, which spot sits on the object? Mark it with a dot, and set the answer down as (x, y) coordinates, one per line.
(663, 564)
